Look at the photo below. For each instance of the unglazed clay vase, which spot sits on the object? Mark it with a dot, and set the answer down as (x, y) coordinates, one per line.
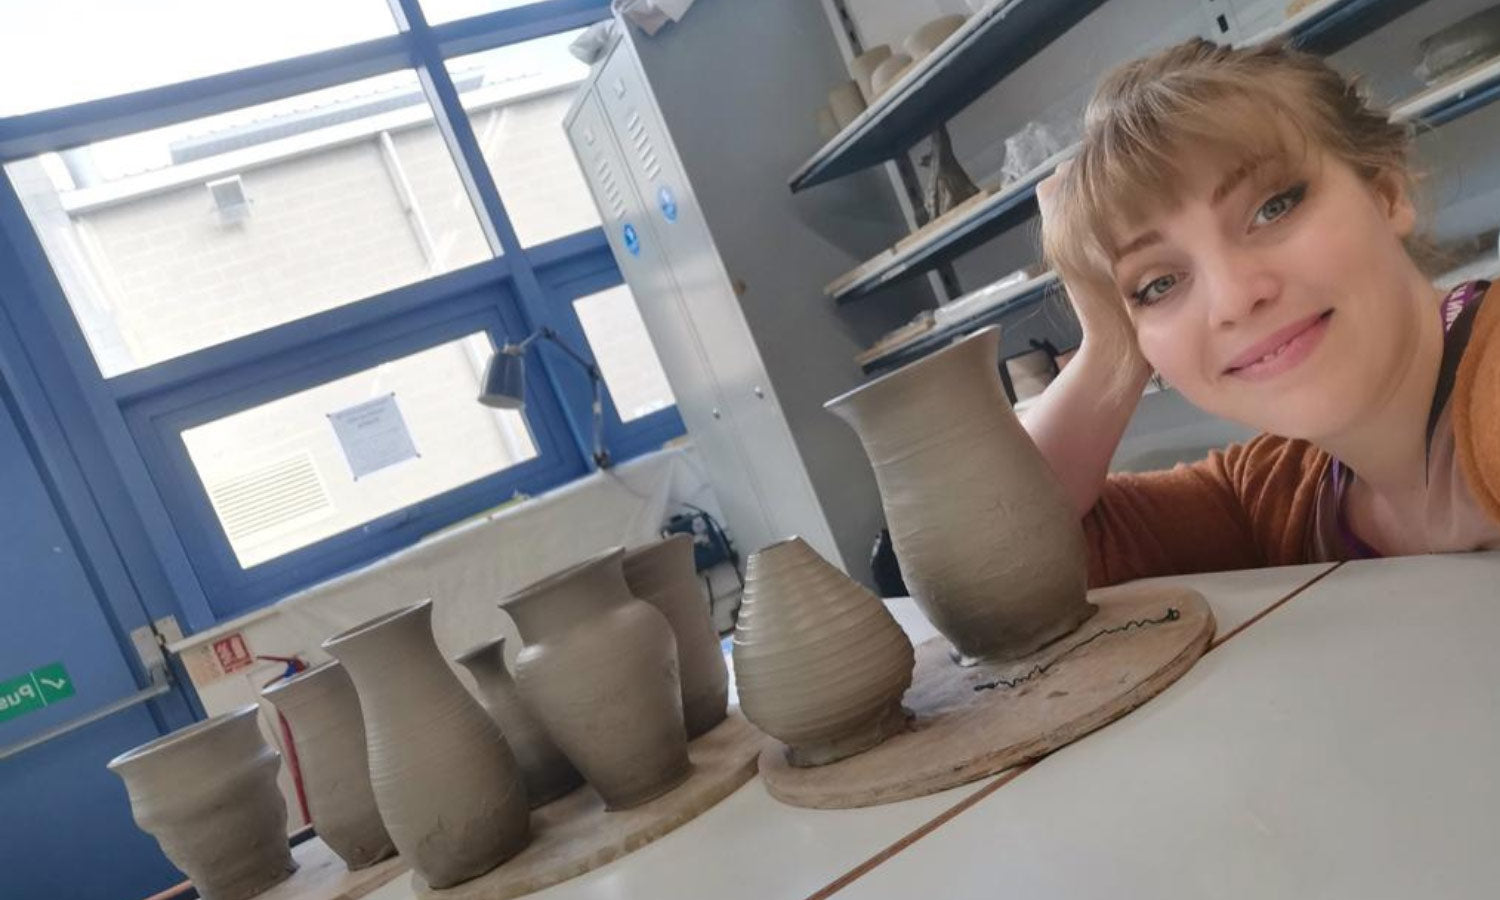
(208, 794)
(663, 575)
(864, 65)
(445, 781)
(544, 768)
(599, 669)
(819, 663)
(322, 711)
(846, 103)
(888, 73)
(988, 543)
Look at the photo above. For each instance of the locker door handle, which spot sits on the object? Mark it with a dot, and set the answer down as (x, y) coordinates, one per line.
(717, 414)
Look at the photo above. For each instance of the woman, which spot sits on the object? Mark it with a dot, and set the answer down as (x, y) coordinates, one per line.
(1241, 221)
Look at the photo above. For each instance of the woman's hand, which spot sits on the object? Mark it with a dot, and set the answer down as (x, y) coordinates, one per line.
(1079, 419)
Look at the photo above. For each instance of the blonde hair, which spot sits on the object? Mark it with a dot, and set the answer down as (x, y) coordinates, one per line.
(1148, 117)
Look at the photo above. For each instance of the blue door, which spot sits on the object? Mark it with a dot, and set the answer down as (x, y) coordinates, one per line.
(65, 824)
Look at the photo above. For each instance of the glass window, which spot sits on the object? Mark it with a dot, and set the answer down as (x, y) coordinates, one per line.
(516, 97)
(58, 52)
(624, 351)
(280, 476)
(448, 10)
(180, 238)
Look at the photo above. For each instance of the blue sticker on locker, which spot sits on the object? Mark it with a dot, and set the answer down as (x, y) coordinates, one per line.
(667, 202)
(632, 240)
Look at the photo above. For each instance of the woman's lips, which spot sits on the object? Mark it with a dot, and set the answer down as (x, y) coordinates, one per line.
(1281, 351)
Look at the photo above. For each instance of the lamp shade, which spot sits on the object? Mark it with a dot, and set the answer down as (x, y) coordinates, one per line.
(504, 384)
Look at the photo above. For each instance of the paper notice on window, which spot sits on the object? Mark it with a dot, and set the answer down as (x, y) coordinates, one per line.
(374, 435)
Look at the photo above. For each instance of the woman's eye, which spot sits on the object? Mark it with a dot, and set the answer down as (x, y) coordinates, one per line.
(1280, 205)
(1154, 290)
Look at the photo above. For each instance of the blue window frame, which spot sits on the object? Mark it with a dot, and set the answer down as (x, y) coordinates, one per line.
(138, 417)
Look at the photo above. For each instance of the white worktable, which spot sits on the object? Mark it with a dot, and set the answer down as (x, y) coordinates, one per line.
(753, 847)
(1343, 746)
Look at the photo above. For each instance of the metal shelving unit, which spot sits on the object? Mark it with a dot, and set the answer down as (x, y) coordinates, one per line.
(1017, 203)
(1004, 303)
(1454, 98)
(993, 43)
(1328, 26)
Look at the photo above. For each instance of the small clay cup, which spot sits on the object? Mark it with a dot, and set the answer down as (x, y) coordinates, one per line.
(208, 794)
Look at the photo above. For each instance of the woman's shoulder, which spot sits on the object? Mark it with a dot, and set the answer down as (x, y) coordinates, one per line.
(1476, 404)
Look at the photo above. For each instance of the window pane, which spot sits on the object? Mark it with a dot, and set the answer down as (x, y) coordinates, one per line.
(176, 239)
(57, 52)
(448, 10)
(516, 97)
(280, 477)
(624, 351)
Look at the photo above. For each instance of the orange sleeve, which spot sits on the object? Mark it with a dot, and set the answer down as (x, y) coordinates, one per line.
(1476, 406)
(1248, 506)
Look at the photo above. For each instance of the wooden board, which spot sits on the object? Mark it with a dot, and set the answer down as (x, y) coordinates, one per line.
(321, 875)
(968, 725)
(575, 835)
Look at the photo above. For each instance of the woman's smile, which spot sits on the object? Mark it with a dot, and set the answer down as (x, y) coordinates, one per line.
(1282, 351)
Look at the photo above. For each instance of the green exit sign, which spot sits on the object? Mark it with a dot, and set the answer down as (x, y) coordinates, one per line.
(37, 689)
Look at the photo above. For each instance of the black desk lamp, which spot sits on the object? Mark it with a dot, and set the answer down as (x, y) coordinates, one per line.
(504, 384)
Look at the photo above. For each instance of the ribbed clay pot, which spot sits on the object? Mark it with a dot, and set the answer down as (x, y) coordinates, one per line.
(989, 545)
(599, 669)
(447, 785)
(663, 575)
(208, 794)
(322, 711)
(544, 768)
(819, 663)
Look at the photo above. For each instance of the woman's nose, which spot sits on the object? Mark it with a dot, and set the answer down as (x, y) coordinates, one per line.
(1241, 285)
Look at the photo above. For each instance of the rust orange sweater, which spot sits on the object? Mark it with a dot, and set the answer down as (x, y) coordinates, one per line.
(1258, 504)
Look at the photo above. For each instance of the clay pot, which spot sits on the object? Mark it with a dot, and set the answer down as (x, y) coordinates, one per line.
(864, 65)
(828, 126)
(988, 543)
(599, 669)
(927, 38)
(846, 103)
(544, 768)
(208, 794)
(663, 575)
(819, 662)
(322, 711)
(447, 786)
(888, 73)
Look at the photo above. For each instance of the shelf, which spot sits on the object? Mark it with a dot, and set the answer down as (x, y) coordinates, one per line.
(1001, 304)
(1454, 98)
(1328, 26)
(993, 43)
(998, 212)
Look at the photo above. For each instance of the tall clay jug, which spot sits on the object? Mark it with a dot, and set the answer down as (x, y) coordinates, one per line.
(546, 771)
(322, 712)
(599, 668)
(988, 543)
(819, 662)
(208, 794)
(663, 575)
(447, 786)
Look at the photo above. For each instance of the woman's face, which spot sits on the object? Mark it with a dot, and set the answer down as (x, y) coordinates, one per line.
(1279, 298)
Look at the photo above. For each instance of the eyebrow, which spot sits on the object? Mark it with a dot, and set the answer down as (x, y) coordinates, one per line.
(1226, 186)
